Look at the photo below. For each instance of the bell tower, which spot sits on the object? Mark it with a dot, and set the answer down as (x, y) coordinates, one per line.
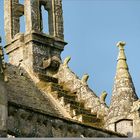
(36, 51)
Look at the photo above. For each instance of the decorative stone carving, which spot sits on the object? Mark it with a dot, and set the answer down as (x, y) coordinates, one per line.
(103, 97)
(84, 79)
(66, 61)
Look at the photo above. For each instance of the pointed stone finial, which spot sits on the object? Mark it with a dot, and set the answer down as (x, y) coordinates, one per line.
(84, 79)
(66, 61)
(121, 57)
(121, 44)
(103, 97)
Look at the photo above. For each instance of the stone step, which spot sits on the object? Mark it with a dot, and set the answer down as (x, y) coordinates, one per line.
(69, 101)
(56, 87)
(55, 94)
(87, 118)
(69, 96)
(61, 101)
(74, 104)
(71, 104)
(66, 95)
(75, 112)
(46, 78)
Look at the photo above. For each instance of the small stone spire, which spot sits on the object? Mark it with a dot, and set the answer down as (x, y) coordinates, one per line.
(123, 94)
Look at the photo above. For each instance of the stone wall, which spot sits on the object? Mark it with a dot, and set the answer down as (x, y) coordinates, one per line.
(27, 122)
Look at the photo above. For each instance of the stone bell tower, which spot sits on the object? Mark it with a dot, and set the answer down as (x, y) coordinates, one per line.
(36, 51)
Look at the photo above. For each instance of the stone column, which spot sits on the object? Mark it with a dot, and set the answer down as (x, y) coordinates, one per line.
(8, 20)
(32, 15)
(12, 12)
(58, 19)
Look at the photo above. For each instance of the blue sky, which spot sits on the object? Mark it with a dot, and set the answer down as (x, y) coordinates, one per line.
(92, 28)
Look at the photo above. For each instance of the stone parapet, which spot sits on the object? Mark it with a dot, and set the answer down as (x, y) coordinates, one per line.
(28, 122)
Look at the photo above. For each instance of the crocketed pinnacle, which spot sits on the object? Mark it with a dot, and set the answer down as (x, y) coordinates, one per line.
(123, 94)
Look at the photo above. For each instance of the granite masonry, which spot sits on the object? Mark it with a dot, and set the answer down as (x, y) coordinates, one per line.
(41, 96)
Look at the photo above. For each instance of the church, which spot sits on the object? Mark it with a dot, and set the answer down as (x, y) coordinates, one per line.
(42, 97)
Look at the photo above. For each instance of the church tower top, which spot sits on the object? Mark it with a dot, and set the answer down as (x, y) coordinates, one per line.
(33, 48)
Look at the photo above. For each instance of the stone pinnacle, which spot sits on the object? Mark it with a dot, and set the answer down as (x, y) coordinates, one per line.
(121, 56)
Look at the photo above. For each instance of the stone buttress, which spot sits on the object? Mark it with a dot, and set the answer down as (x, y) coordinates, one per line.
(123, 96)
